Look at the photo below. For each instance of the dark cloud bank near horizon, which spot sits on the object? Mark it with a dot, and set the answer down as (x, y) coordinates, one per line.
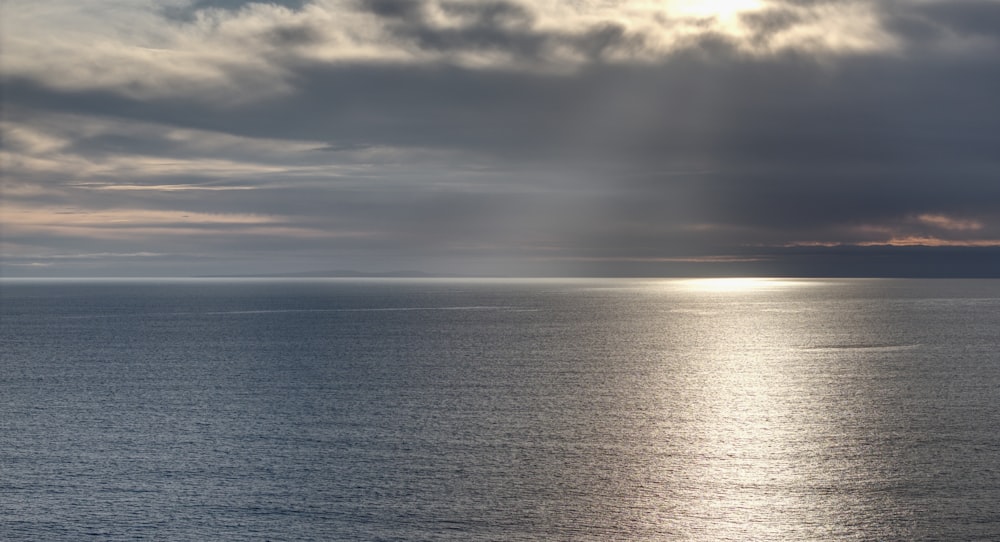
(499, 145)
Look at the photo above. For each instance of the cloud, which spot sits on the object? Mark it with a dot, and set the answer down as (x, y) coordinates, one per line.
(950, 223)
(233, 52)
(432, 133)
(978, 18)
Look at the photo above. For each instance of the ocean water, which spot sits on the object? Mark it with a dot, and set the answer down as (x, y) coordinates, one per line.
(500, 410)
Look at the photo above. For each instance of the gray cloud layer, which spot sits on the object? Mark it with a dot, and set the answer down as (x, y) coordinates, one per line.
(485, 138)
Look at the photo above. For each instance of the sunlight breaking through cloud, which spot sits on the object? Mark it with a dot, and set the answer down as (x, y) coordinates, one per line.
(245, 55)
(601, 137)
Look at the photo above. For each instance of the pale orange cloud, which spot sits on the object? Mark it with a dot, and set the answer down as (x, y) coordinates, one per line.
(123, 224)
(912, 231)
(949, 223)
(73, 217)
(926, 241)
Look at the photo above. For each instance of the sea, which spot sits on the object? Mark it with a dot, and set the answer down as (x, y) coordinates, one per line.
(516, 409)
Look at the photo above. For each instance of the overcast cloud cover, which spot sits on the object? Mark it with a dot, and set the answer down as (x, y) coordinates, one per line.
(570, 137)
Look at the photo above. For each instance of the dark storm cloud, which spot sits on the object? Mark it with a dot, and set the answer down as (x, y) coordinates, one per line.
(494, 26)
(406, 10)
(874, 136)
(393, 105)
(927, 24)
(293, 35)
(965, 17)
(706, 152)
(766, 23)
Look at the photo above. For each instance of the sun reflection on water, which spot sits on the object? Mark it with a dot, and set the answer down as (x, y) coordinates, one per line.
(759, 415)
(739, 284)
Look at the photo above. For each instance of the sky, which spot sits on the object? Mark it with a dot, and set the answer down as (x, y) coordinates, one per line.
(500, 137)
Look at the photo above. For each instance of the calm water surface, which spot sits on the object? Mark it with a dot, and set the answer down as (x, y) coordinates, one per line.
(500, 410)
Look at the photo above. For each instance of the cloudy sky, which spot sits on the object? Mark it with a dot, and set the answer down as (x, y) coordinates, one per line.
(532, 137)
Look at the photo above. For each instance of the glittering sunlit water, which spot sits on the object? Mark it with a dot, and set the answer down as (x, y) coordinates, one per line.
(490, 410)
